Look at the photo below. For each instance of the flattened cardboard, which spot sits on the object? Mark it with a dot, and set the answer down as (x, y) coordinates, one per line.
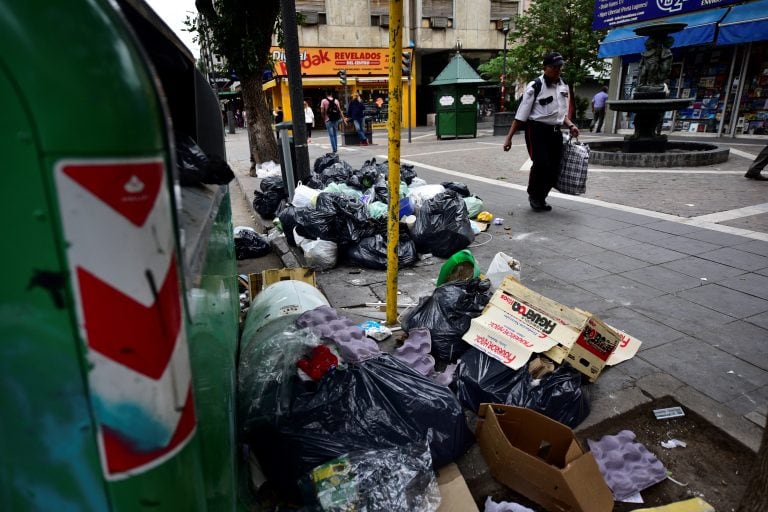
(593, 347)
(499, 347)
(626, 349)
(541, 459)
(518, 329)
(454, 493)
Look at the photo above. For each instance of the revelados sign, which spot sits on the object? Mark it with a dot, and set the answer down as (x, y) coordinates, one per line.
(613, 13)
(329, 61)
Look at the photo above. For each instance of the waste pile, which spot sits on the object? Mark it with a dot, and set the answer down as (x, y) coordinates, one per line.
(341, 214)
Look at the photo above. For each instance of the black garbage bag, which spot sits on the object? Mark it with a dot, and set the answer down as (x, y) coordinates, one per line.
(287, 218)
(480, 378)
(336, 173)
(364, 178)
(316, 223)
(442, 225)
(381, 192)
(250, 245)
(267, 204)
(275, 183)
(459, 188)
(315, 182)
(351, 219)
(447, 314)
(407, 173)
(379, 403)
(324, 161)
(371, 252)
(195, 167)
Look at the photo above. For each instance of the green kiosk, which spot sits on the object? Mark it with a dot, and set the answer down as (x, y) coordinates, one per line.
(456, 99)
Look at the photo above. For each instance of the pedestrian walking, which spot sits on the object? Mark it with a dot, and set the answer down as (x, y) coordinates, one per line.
(331, 112)
(753, 173)
(356, 112)
(309, 119)
(598, 109)
(543, 112)
(279, 115)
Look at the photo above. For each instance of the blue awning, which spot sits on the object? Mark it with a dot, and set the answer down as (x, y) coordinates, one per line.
(700, 30)
(745, 23)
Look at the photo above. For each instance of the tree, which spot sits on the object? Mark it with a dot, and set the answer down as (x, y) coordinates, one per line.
(563, 26)
(241, 31)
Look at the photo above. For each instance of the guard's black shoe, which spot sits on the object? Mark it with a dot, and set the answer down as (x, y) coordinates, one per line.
(539, 206)
(757, 177)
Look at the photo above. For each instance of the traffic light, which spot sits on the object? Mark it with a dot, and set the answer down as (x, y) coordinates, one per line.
(406, 63)
(343, 77)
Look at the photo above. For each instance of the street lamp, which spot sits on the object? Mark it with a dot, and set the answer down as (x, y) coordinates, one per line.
(505, 29)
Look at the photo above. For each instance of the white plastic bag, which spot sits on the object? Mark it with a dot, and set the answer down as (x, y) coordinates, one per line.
(268, 170)
(304, 196)
(320, 254)
(502, 266)
(420, 194)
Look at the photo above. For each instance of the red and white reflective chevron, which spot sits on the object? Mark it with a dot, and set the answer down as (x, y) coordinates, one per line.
(121, 252)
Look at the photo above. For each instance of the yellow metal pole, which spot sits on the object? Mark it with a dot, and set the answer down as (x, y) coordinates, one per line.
(393, 153)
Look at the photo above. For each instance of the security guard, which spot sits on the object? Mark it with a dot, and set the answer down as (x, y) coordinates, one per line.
(543, 111)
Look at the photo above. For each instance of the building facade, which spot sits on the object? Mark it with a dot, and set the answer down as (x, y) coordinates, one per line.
(720, 62)
(353, 35)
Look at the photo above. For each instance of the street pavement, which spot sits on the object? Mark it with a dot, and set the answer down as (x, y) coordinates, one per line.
(675, 257)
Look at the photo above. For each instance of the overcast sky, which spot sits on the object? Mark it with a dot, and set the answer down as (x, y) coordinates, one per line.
(173, 13)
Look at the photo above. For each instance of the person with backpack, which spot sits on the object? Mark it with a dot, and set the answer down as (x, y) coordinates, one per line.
(542, 113)
(331, 112)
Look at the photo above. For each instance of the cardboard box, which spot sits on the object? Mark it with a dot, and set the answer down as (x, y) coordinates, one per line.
(541, 459)
(518, 319)
(259, 281)
(454, 493)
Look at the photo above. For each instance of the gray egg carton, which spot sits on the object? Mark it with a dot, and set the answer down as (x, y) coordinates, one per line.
(325, 322)
(415, 353)
(627, 466)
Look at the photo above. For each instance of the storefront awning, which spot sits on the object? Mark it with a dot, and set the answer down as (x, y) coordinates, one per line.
(700, 30)
(745, 23)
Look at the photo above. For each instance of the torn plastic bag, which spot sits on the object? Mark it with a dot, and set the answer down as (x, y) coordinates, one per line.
(474, 206)
(407, 174)
(249, 244)
(390, 480)
(195, 167)
(442, 225)
(480, 378)
(287, 217)
(460, 188)
(447, 314)
(324, 161)
(371, 252)
(379, 403)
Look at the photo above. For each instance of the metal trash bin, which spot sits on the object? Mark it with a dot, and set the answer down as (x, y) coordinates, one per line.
(502, 121)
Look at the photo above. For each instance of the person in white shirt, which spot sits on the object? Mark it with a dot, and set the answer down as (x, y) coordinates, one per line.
(309, 119)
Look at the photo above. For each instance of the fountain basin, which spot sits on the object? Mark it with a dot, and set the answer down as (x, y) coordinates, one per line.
(677, 154)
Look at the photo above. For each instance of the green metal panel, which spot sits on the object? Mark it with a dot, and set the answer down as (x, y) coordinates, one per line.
(214, 308)
(456, 107)
(48, 457)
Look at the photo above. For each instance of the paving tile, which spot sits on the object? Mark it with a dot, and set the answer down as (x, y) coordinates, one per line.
(741, 339)
(612, 261)
(703, 269)
(663, 279)
(628, 217)
(605, 240)
(620, 289)
(573, 247)
(752, 402)
(762, 271)
(674, 228)
(725, 300)
(642, 233)
(752, 284)
(707, 369)
(681, 314)
(736, 258)
(569, 294)
(604, 223)
(685, 245)
(636, 368)
(647, 330)
(760, 320)
(571, 271)
(717, 237)
(754, 246)
(650, 253)
(345, 295)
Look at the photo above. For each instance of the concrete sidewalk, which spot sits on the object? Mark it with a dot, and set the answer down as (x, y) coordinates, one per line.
(694, 291)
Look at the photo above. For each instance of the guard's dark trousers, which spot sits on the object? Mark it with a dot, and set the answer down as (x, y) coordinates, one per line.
(545, 147)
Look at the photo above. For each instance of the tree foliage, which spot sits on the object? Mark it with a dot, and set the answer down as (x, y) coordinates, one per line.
(563, 26)
(241, 32)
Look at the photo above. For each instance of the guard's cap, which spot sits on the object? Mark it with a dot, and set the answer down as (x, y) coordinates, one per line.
(554, 59)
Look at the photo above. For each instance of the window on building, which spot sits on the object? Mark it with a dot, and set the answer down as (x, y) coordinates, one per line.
(437, 8)
(311, 12)
(379, 7)
(503, 9)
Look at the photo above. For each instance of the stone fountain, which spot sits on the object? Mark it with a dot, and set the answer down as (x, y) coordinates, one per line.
(646, 147)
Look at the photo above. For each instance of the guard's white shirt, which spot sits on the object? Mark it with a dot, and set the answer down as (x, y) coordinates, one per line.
(553, 112)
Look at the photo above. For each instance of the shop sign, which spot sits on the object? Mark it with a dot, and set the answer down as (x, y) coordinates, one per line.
(329, 61)
(467, 99)
(613, 13)
(446, 101)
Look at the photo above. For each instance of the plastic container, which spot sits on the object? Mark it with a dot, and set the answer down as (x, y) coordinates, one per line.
(406, 207)
(461, 265)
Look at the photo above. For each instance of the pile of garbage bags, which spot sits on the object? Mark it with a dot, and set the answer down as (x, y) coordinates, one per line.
(341, 214)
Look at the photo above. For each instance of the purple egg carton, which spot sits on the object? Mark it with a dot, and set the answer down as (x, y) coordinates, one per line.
(627, 466)
(325, 322)
(415, 352)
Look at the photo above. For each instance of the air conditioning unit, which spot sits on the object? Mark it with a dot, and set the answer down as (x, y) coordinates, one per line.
(310, 18)
(384, 20)
(438, 22)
